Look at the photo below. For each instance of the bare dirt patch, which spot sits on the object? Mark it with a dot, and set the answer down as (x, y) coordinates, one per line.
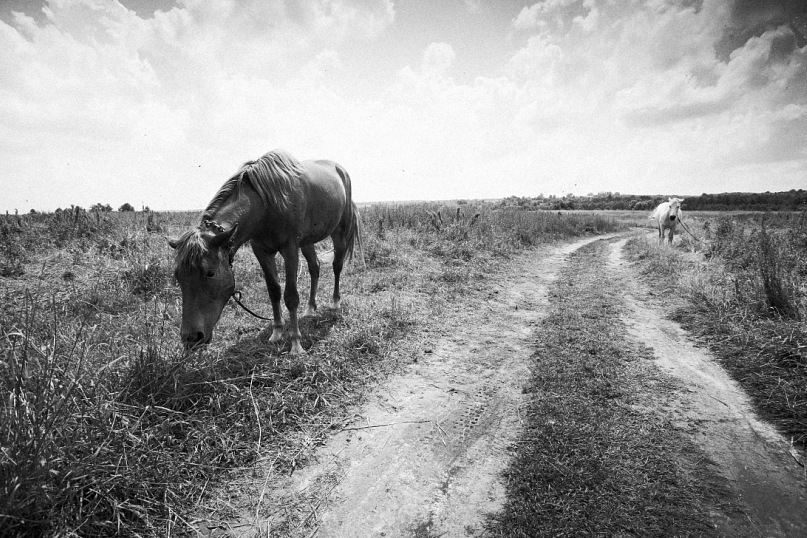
(425, 454)
(718, 414)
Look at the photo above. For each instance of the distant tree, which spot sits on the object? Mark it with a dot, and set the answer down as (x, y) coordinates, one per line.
(126, 207)
(101, 208)
(33, 212)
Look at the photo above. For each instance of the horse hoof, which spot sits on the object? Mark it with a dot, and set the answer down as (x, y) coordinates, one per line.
(277, 336)
(296, 349)
(309, 312)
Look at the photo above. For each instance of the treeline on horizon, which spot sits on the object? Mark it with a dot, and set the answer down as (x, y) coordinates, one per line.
(792, 200)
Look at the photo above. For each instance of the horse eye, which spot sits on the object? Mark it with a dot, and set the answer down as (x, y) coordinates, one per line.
(210, 274)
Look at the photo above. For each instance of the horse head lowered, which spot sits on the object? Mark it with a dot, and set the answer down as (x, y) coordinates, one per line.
(205, 276)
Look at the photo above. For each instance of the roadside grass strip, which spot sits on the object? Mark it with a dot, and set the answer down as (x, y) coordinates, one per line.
(762, 349)
(598, 457)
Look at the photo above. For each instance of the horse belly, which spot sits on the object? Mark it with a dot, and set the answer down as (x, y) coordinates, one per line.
(326, 200)
(319, 228)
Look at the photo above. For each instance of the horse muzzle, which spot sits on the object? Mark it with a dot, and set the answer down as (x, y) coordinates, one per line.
(672, 217)
(195, 340)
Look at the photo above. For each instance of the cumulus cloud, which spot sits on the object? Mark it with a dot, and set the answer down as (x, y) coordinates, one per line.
(438, 58)
(187, 88)
(588, 22)
(533, 16)
(627, 75)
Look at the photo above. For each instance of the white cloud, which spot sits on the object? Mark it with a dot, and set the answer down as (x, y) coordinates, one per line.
(438, 58)
(589, 22)
(533, 16)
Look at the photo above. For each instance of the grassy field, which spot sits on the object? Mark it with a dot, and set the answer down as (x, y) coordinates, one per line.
(745, 286)
(107, 427)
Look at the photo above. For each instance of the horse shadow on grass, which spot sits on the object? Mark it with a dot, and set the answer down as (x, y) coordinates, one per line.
(178, 382)
(312, 328)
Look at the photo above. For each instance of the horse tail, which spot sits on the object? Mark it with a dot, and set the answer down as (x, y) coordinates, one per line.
(352, 218)
(356, 234)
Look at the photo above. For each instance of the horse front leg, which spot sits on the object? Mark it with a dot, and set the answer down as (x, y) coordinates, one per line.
(267, 261)
(291, 297)
(313, 270)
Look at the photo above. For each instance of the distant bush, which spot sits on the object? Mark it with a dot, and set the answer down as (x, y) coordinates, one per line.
(793, 200)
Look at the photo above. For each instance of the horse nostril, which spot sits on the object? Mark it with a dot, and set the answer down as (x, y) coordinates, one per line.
(194, 339)
(672, 217)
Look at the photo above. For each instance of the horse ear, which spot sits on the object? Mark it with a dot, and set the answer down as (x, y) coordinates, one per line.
(173, 243)
(224, 237)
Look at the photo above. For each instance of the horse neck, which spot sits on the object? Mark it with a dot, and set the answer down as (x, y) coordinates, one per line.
(243, 209)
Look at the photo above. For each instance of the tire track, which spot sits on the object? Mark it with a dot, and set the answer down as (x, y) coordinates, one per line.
(425, 457)
(748, 451)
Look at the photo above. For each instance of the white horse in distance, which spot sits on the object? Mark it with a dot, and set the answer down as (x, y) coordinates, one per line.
(667, 216)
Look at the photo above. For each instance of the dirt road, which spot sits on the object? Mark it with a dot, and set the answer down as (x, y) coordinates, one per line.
(748, 451)
(425, 457)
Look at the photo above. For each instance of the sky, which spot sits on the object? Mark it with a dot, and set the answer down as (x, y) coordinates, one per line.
(157, 103)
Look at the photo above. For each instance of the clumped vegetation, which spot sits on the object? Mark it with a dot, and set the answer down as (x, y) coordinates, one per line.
(793, 200)
(747, 300)
(108, 428)
(596, 458)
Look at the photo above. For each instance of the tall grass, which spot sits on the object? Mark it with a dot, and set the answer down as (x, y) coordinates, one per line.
(482, 228)
(108, 428)
(747, 299)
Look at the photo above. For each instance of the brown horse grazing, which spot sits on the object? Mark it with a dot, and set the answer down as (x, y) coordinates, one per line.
(278, 204)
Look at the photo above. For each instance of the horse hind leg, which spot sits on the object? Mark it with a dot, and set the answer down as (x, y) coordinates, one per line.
(339, 251)
(310, 255)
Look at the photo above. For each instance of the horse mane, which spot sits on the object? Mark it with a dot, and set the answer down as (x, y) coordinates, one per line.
(274, 177)
(191, 248)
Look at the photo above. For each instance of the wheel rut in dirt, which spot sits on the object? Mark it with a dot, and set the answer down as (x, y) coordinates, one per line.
(425, 457)
(748, 451)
